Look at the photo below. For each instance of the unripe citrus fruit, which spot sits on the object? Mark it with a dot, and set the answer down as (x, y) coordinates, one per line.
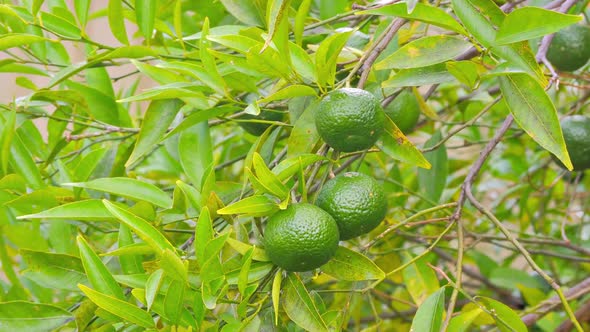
(570, 48)
(576, 133)
(350, 119)
(356, 201)
(404, 111)
(301, 238)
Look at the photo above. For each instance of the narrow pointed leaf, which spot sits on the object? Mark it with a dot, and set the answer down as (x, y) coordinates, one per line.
(300, 307)
(532, 22)
(534, 112)
(99, 276)
(141, 227)
(119, 308)
(31, 317)
(129, 188)
(429, 316)
(396, 145)
(352, 266)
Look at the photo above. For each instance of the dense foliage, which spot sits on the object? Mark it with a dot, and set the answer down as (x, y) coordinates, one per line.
(136, 183)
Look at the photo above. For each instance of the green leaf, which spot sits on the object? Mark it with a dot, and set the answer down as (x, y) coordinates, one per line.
(258, 254)
(433, 181)
(129, 188)
(462, 321)
(290, 166)
(100, 106)
(278, 10)
(247, 11)
(195, 152)
(289, 92)
(99, 276)
(350, 265)
(434, 74)
(117, 21)
(173, 266)
(396, 145)
(429, 316)
(299, 305)
(203, 234)
(425, 51)
(32, 317)
(506, 319)
(215, 80)
(119, 308)
(256, 206)
(420, 280)
(481, 19)
(158, 118)
(152, 287)
(244, 271)
(130, 261)
(145, 13)
(268, 62)
(174, 301)
(22, 161)
(125, 52)
(269, 180)
(59, 271)
(142, 228)
(300, 18)
(327, 55)
(465, 72)
(60, 26)
(91, 209)
(304, 135)
(534, 112)
(532, 22)
(422, 12)
(10, 40)
(82, 7)
(8, 131)
(276, 293)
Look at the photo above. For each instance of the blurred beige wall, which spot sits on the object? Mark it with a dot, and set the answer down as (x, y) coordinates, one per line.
(98, 30)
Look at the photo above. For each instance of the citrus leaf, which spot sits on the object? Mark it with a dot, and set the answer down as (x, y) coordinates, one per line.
(276, 293)
(396, 145)
(141, 227)
(268, 179)
(129, 188)
(158, 118)
(327, 55)
(91, 209)
(174, 301)
(256, 206)
(60, 26)
(424, 52)
(59, 271)
(119, 308)
(278, 11)
(434, 180)
(173, 265)
(506, 319)
(304, 135)
(117, 21)
(10, 40)
(99, 276)
(289, 92)
(258, 254)
(290, 166)
(532, 22)
(534, 112)
(429, 316)
(203, 234)
(215, 80)
(350, 265)
(422, 12)
(464, 71)
(462, 321)
(420, 280)
(299, 305)
(481, 19)
(152, 287)
(145, 13)
(434, 74)
(32, 317)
